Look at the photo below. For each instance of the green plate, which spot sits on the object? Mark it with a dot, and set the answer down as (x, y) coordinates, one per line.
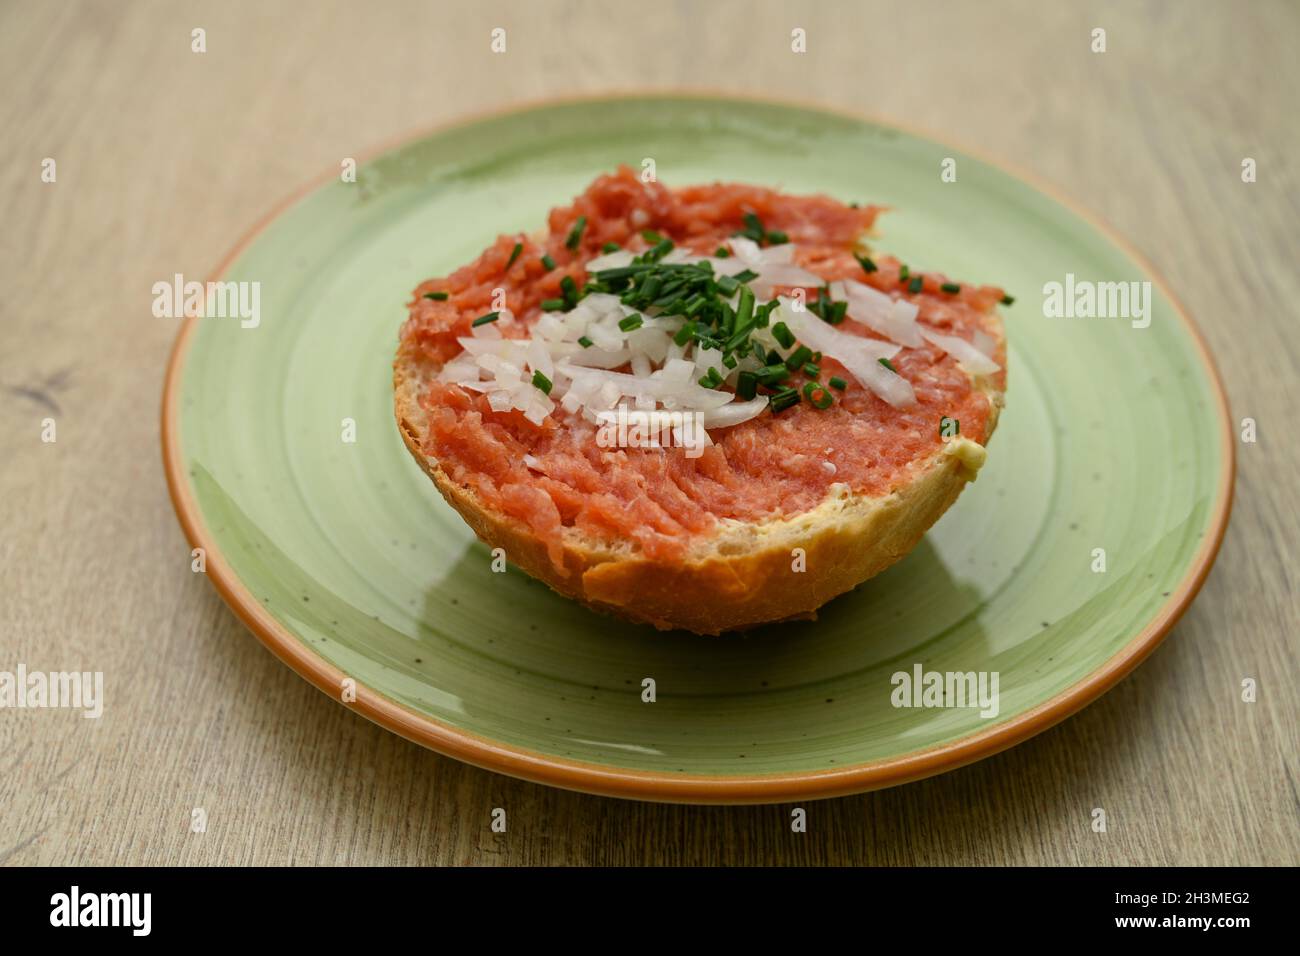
(343, 558)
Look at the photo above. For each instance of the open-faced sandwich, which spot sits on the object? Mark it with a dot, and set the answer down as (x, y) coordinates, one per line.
(707, 407)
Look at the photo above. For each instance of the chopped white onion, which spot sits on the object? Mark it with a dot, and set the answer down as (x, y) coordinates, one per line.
(537, 412)
(609, 393)
(611, 260)
(861, 356)
(664, 375)
(895, 319)
(677, 372)
(652, 342)
(461, 367)
(734, 413)
(778, 254)
(774, 265)
(689, 394)
(550, 328)
(747, 251)
(706, 359)
(967, 355)
(539, 359)
(497, 346)
(783, 276)
(599, 358)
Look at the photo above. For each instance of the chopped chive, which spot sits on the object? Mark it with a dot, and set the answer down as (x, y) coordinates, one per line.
(519, 247)
(570, 290)
(542, 382)
(777, 238)
(620, 272)
(745, 307)
(867, 265)
(669, 304)
(485, 319)
(610, 247)
(950, 287)
(436, 296)
(753, 228)
(902, 273)
(650, 236)
(711, 378)
(722, 252)
(585, 342)
(704, 299)
(837, 382)
(727, 321)
(915, 284)
(746, 385)
(661, 249)
(695, 303)
(889, 365)
(1008, 299)
(825, 399)
(783, 400)
(575, 234)
(548, 262)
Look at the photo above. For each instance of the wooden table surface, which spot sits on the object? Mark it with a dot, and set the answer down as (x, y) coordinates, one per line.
(165, 157)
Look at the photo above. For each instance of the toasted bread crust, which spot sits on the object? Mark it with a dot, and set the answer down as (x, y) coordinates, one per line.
(745, 573)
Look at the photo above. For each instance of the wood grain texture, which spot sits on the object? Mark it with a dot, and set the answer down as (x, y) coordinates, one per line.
(165, 157)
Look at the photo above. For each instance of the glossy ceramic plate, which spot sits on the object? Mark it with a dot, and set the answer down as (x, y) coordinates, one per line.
(343, 559)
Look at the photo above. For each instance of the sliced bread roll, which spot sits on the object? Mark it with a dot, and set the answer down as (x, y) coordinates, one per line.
(763, 537)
